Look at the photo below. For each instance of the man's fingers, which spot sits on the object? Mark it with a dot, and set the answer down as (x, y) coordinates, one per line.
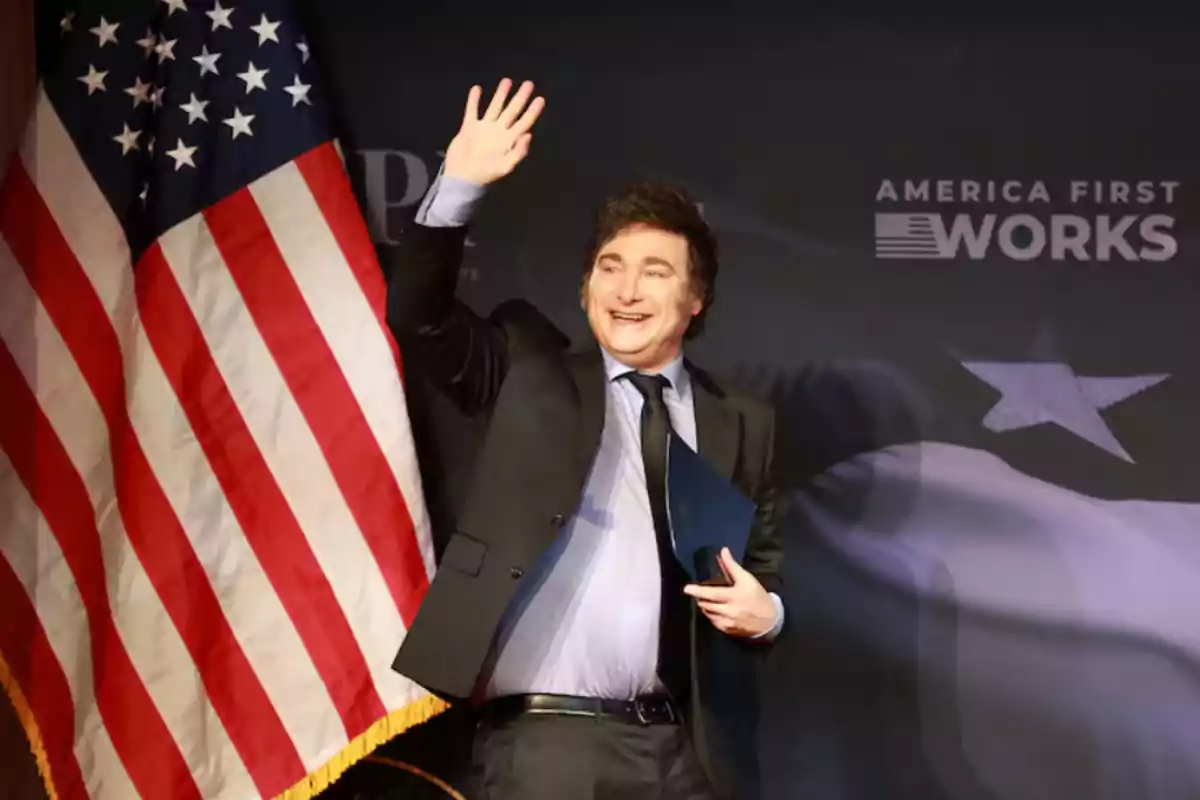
(735, 570)
(517, 104)
(519, 150)
(712, 609)
(530, 116)
(712, 594)
(497, 105)
(471, 112)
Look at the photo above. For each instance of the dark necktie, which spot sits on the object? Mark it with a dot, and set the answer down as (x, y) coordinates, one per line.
(673, 648)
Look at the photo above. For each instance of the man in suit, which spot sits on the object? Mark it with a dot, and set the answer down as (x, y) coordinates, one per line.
(559, 612)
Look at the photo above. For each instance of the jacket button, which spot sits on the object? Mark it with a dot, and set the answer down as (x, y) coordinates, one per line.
(515, 572)
(558, 520)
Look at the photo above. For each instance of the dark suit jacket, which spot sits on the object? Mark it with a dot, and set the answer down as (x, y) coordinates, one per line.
(544, 408)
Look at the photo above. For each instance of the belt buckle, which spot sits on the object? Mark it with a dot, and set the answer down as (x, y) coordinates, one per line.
(640, 706)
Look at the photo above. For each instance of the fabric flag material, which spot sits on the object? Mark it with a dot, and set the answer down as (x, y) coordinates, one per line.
(212, 528)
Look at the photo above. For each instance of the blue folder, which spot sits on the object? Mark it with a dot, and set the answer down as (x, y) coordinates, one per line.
(706, 511)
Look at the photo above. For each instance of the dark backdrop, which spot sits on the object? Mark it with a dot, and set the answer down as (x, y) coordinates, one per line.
(992, 552)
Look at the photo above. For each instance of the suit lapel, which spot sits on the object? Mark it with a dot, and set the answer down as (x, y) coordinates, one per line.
(587, 371)
(718, 426)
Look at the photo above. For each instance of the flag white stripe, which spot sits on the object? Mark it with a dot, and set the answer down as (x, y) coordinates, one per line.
(349, 325)
(80, 210)
(154, 646)
(43, 572)
(286, 443)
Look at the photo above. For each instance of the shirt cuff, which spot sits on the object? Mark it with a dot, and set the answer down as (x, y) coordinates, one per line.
(769, 635)
(450, 202)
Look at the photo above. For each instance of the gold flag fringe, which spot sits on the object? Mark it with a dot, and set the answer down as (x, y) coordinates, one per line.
(32, 733)
(382, 731)
(364, 744)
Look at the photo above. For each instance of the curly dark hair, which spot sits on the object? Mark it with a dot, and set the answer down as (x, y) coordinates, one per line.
(670, 208)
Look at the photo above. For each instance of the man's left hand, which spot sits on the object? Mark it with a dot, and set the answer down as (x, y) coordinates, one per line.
(744, 609)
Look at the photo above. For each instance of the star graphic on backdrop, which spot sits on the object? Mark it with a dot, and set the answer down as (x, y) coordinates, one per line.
(298, 91)
(94, 80)
(156, 96)
(148, 41)
(67, 23)
(140, 92)
(207, 61)
(302, 46)
(194, 109)
(105, 32)
(219, 16)
(1035, 392)
(254, 78)
(182, 155)
(239, 123)
(266, 31)
(128, 139)
(175, 5)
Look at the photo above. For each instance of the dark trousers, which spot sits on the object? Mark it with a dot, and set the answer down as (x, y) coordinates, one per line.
(558, 757)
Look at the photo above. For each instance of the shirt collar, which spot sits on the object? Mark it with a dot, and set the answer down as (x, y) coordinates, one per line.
(674, 371)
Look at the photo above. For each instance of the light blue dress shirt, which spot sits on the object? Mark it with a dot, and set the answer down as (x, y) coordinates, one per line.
(585, 621)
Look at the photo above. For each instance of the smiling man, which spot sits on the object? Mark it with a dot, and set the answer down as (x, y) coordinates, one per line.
(559, 611)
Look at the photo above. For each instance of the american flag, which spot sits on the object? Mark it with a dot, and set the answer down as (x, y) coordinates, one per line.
(211, 519)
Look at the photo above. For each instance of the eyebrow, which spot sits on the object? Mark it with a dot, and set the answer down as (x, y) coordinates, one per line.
(651, 261)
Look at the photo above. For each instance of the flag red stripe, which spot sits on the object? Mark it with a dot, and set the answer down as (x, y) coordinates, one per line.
(322, 171)
(150, 523)
(326, 178)
(139, 735)
(254, 496)
(36, 670)
(322, 393)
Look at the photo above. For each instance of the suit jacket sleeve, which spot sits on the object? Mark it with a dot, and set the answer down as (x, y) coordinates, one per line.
(764, 550)
(464, 354)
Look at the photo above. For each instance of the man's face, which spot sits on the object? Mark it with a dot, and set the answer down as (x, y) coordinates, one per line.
(638, 297)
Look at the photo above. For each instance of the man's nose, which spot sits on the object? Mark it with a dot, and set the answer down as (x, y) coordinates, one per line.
(629, 287)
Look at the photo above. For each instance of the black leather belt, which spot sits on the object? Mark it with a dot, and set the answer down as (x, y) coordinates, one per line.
(644, 710)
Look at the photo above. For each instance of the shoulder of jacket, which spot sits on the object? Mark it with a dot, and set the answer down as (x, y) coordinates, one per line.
(527, 329)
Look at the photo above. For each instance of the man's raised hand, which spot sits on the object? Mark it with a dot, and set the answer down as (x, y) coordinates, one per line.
(490, 146)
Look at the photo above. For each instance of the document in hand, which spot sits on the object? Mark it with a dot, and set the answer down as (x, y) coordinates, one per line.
(706, 512)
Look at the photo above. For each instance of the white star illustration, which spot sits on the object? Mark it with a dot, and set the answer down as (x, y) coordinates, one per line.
(1034, 393)
(254, 78)
(106, 33)
(128, 139)
(182, 155)
(150, 145)
(207, 61)
(175, 5)
(195, 109)
(156, 96)
(67, 23)
(165, 49)
(219, 16)
(140, 92)
(239, 123)
(302, 46)
(298, 91)
(266, 31)
(144, 192)
(94, 80)
(148, 41)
